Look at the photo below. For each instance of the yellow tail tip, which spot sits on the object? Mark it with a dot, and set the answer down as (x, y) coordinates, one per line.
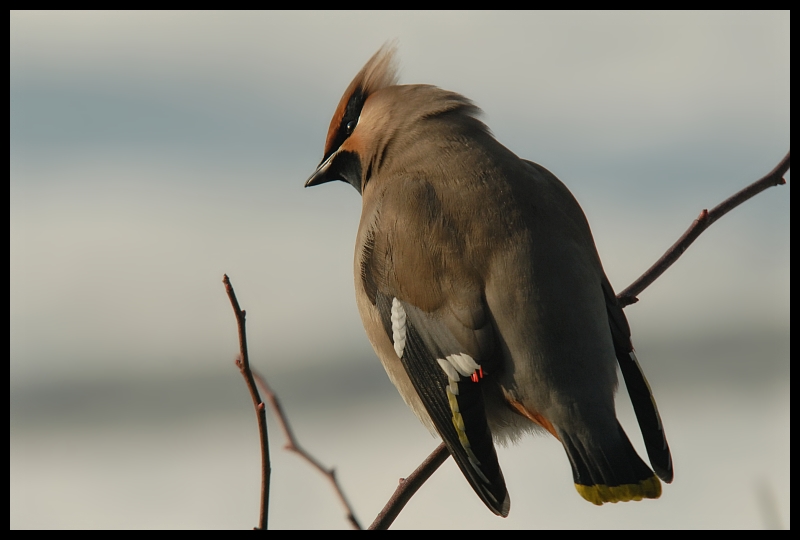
(601, 493)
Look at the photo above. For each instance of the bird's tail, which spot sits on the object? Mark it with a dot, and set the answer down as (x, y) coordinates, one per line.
(606, 468)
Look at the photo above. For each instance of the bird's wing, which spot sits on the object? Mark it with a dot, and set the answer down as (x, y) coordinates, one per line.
(644, 403)
(449, 382)
(436, 320)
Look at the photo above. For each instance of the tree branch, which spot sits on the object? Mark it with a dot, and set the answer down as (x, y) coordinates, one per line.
(703, 222)
(408, 487)
(293, 446)
(243, 361)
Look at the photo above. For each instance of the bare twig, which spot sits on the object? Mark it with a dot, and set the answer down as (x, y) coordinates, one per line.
(703, 222)
(409, 486)
(243, 361)
(293, 446)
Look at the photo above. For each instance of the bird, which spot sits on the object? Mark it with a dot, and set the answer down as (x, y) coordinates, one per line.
(482, 293)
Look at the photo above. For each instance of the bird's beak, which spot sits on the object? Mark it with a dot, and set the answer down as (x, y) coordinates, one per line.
(321, 175)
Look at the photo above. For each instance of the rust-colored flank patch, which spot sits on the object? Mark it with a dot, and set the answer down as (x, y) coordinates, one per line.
(533, 416)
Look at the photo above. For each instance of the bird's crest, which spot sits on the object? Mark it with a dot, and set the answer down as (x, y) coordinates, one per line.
(379, 72)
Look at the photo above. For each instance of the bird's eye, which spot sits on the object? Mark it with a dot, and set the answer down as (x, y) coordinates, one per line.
(351, 125)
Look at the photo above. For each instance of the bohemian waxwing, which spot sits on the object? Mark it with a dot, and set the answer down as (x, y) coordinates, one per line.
(481, 290)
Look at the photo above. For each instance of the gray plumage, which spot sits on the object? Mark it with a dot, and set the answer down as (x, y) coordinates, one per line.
(465, 249)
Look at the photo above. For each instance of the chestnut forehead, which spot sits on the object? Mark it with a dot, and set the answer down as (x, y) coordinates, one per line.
(333, 131)
(350, 99)
(348, 110)
(379, 72)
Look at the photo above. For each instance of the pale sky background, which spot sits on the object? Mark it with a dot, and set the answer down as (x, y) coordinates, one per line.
(152, 152)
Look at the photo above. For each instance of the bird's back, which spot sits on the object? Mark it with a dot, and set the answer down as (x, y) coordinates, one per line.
(485, 231)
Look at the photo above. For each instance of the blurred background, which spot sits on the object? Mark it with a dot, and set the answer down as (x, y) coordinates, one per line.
(152, 152)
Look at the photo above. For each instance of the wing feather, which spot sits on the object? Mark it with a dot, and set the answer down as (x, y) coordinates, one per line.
(642, 399)
(448, 381)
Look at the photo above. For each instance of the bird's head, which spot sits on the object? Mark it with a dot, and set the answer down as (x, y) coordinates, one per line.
(351, 133)
(379, 122)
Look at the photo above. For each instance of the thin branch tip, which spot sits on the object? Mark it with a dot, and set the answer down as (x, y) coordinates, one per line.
(293, 446)
(243, 363)
(626, 300)
(703, 222)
